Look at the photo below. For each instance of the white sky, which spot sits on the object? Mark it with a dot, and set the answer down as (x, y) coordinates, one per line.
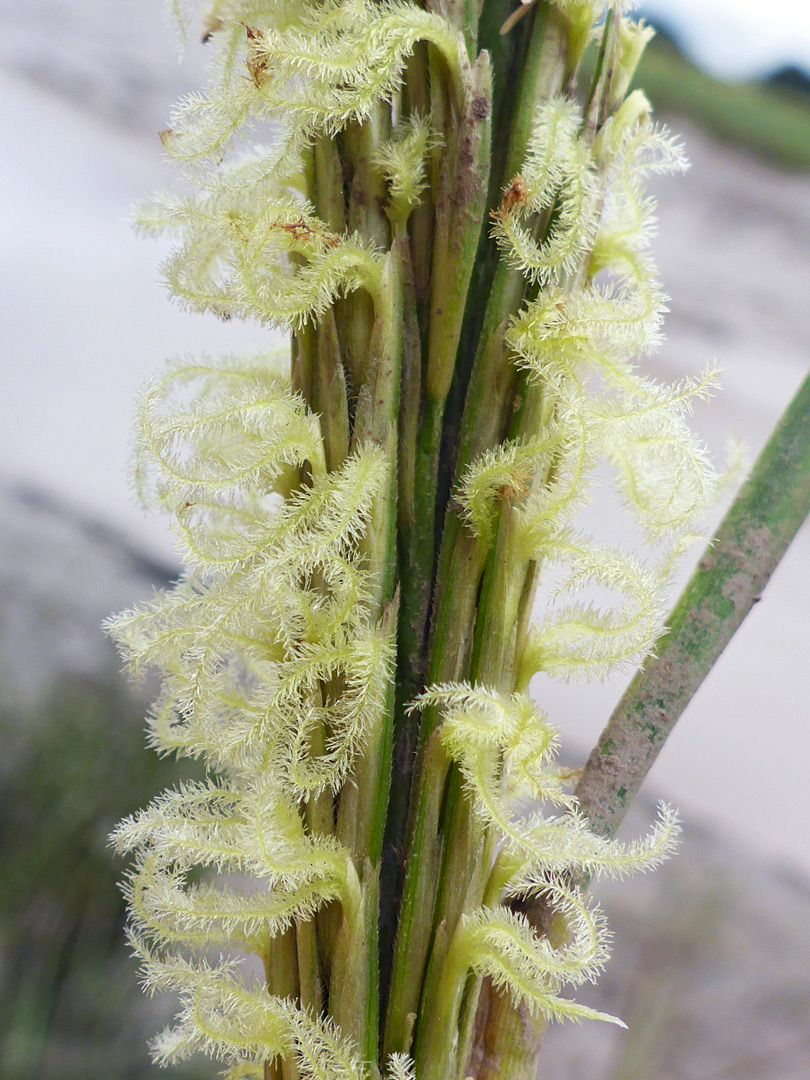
(739, 38)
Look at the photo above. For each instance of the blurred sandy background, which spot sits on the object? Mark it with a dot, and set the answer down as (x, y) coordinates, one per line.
(85, 84)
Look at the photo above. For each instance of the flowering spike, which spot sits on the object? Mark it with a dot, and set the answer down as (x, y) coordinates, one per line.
(359, 548)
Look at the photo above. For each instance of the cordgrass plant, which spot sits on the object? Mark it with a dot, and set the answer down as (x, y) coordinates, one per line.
(454, 233)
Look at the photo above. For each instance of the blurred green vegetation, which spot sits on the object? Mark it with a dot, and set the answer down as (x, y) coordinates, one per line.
(768, 119)
(70, 1006)
(771, 121)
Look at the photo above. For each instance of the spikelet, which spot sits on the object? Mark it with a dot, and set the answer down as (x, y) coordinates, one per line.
(274, 607)
(236, 828)
(229, 1017)
(502, 945)
(212, 434)
(250, 253)
(400, 1067)
(402, 160)
(558, 172)
(505, 750)
(579, 638)
(280, 593)
(581, 341)
(308, 69)
(505, 471)
(250, 245)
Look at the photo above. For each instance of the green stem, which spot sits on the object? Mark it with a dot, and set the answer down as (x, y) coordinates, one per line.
(326, 189)
(353, 991)
(460, 208)
(365, 215)
(367, 194)
(500, 294)
(416, 910)
(598, 100)
(542, 63)
(309, 972)
(414, 597)
(460, 211)
(418, 101)
(543, 75)
(304, 348)
(446, 979)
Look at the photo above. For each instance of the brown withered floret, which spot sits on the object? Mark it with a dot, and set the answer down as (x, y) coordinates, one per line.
(512, 492)
(237, 221)
(518, 487)
(257, 59)
(213, 26)
(516, 195)
(300, 230)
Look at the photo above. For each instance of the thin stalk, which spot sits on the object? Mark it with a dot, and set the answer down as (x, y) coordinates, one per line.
(318, 374)
(309, 969)
(497, 289)
(329, 392)
(361, 817)
(544, 74)
(355, 992)
(365, 214)
(597, 102)
(281, 978)
(410, 644)
(450, 653)
(545, 56)
(327, 184)
(493, 380)
(466, 861)
(367, 195)
(416, 100)
(304, 348)
(460, 207)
